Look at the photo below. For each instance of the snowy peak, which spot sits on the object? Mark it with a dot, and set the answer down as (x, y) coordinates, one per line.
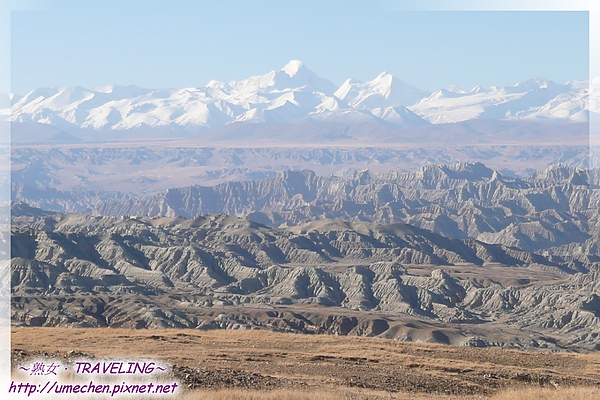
(384, 85)
(343, 91)
(448, 93)
(295, 74)
(534, 99)
(383, 91)
(294, 94)
(292, 76)
(399, 116)
(293, 67)
(535, 84)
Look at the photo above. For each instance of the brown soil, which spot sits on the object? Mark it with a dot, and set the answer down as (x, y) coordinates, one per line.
(222, 359)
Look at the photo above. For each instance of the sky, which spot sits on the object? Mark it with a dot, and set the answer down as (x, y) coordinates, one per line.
(185, 43)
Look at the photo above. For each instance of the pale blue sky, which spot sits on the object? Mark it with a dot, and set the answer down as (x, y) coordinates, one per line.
(184, 43)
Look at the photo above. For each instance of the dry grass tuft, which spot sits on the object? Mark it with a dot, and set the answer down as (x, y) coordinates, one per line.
(277, 366)
(323, 394)
(572, 393)
(236, 394)
(534, 393)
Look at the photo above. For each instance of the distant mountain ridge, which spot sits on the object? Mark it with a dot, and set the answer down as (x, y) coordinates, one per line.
(296, 94)
(555, 211)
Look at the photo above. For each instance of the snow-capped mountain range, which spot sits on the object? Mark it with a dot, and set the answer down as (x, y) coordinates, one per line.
(295, 94)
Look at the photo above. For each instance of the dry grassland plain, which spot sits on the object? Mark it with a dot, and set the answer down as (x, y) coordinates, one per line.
(244, 365)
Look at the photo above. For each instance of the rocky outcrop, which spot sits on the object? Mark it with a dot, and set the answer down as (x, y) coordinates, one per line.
(327, 276)
(558, 207)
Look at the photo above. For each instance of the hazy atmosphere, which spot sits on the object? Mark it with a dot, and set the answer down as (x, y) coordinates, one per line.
(300, 200)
